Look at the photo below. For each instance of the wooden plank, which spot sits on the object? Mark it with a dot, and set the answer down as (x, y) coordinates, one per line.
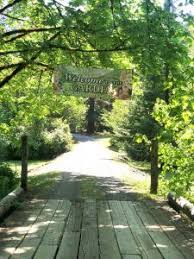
(166, 224)
(146, 244)
(46, 251)
(26, 249)
(7, 249)
(89, 235)
(125, 238)
(69, 245)
(52, 237)
(17, 226)
(29, 245)
(178, 221)
(132, 257)
(62, 212)
(55, 229)
(4, 254)
(40, 226)
(162, 242)
(107, 240)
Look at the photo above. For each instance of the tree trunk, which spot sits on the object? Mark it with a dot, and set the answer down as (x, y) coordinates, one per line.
(24, 170)
(91, 116)
(154, 166)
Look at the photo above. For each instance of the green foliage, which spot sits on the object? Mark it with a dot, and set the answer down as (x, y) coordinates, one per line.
(40, 34)
(177, 137)
(114, 119)
(54, 140)
(73, 110)
(7, 179)
(46, 141)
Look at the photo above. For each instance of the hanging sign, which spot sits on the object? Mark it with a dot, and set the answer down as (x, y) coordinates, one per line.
(93, 82)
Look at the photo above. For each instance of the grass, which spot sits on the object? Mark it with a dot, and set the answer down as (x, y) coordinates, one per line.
(42, 183)
(143, 186)
(140, 165)
(15, 165)
(32, 164)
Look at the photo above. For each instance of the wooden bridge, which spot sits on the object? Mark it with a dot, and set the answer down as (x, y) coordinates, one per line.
(106, 229)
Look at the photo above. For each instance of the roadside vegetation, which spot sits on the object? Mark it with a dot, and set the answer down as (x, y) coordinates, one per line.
(155, 126)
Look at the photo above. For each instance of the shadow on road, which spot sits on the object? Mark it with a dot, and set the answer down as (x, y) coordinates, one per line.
(77, 187)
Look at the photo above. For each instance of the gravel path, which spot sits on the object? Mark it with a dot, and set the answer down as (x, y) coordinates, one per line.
(90, 170)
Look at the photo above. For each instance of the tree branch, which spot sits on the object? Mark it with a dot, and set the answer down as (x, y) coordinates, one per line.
(23, 65)
(12, 17)
(10, 66)
(5, 53)
(55, 46)
(15, 38)
(10, 76)
(9, 5)
(118, 48)
(9, 33)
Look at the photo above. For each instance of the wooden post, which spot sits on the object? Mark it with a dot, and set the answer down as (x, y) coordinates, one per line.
(24, 157)
(154, 166)
(91, 116)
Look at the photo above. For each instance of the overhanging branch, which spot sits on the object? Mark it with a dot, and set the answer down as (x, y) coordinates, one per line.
(23, 65)
(55, 46)
(21, 31)
(9, 5)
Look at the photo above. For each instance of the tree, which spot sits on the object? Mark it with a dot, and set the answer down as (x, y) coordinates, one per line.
(41, 34)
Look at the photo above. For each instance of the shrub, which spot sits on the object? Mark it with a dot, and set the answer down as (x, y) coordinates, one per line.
(74, 112)
(45, 142)
(138, 151)
(7, 179)
(54, 140)
(3, 147)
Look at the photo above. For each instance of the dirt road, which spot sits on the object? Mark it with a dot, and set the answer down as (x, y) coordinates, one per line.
(91, 170)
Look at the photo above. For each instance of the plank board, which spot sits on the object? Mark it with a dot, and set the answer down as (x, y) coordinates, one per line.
(146, 244)
(31, 241)
(89, 235)
(69, 245)
(55, 229)
(17, 226)
(53, 235)
(166, 224)
(26, 249)
(92, 230)
(132, 257)
(46, 251)
(125, 238)
(107, 239)
(163, 243)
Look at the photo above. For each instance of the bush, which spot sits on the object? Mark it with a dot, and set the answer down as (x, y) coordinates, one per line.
(122, 125)
(55, 140)
(52, 141)
(3, 147)
(138, 151)
(114, 119)
(45, 142)
(7, 179)
(74, 112)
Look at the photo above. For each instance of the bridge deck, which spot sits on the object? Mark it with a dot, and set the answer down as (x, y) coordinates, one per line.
(92, 229)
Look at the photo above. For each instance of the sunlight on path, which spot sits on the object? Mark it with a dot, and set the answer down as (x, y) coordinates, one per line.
(90, 157)
(90, 170)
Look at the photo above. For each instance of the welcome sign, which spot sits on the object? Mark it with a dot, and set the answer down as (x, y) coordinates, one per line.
(93, 82)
